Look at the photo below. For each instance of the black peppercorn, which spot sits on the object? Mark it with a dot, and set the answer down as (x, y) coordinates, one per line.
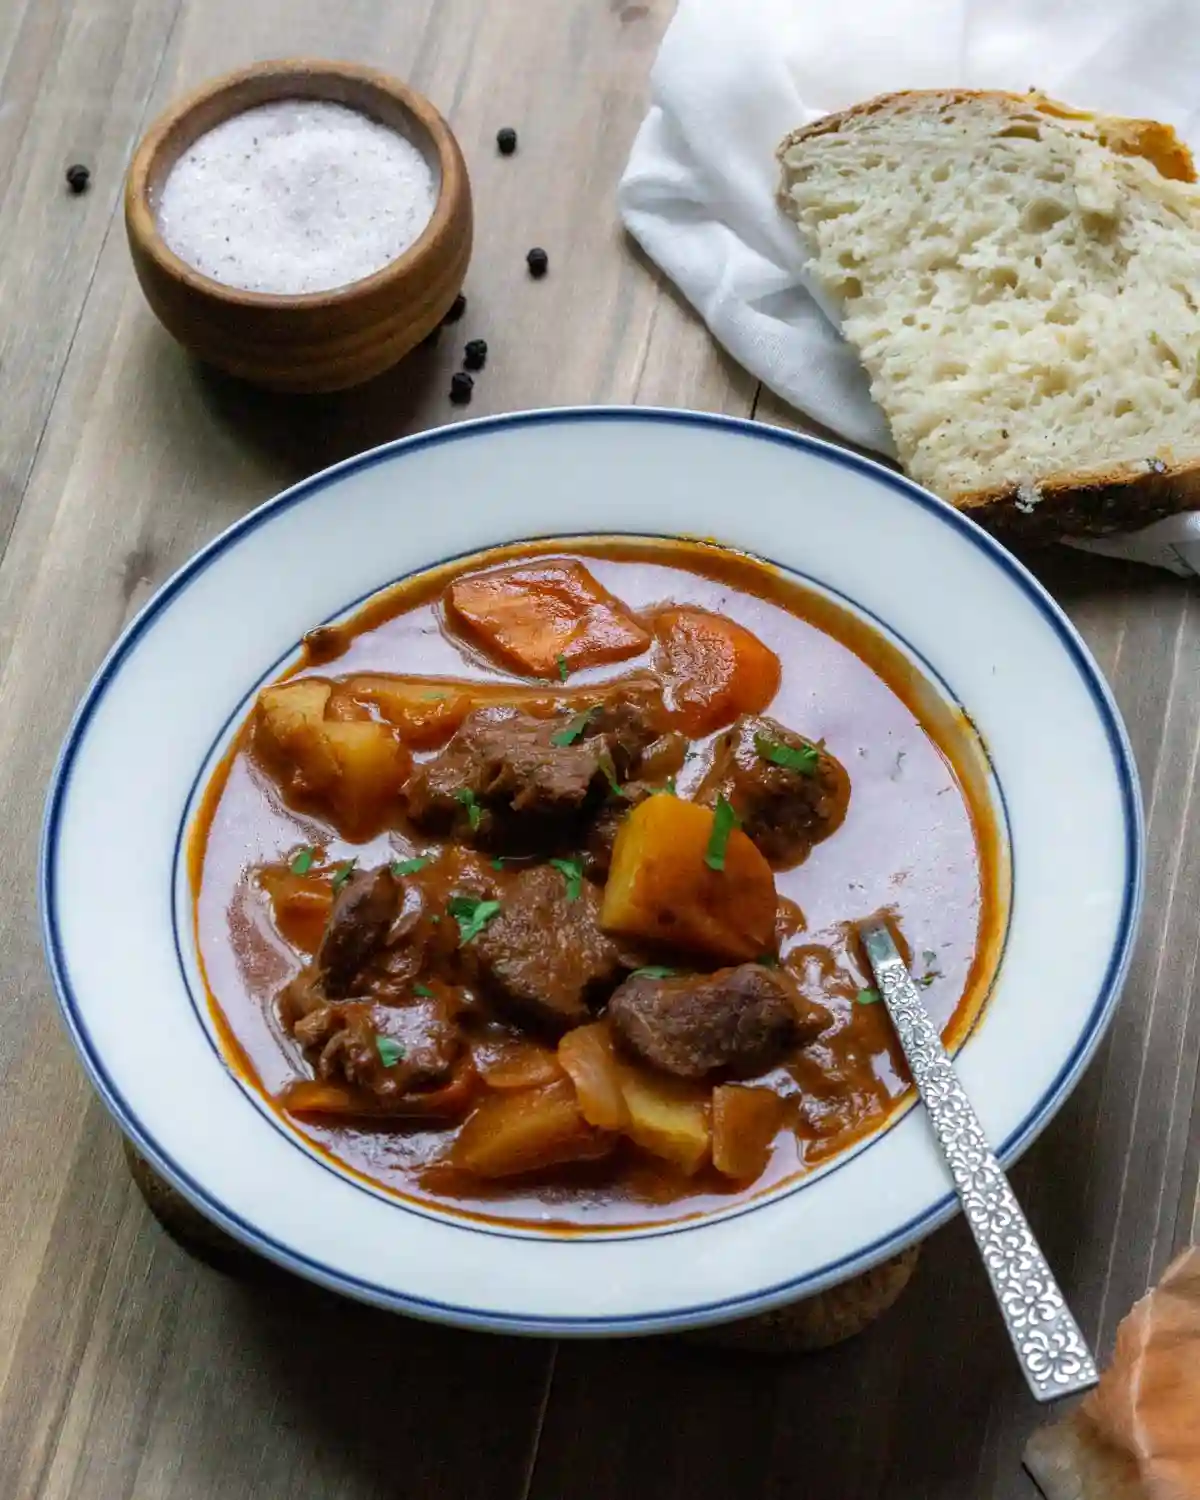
(78, 177)
(457, 308)
(461, 387)
(506, 141)
(538, 261)
(475, 354)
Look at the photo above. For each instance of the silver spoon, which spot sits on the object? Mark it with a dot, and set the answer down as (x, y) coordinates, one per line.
(1051, 1351)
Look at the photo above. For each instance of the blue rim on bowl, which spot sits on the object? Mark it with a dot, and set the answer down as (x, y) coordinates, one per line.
(1015, 1142)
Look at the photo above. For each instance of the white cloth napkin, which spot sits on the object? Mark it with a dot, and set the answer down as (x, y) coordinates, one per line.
(733, 77)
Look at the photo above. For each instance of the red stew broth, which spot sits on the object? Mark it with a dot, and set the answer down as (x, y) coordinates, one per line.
(919, 840)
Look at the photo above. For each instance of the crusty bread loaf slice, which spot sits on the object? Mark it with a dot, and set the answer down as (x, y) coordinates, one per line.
(1022, 283)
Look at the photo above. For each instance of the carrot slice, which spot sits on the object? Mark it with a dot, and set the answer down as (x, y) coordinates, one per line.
(545, 619)
(745, 1123)
(714, 669)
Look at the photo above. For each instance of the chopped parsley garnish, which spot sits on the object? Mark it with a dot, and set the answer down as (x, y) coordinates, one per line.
(806, 759)
(472, 915)
(423, 991)
(563, 670)
(574, 727)
(411, 866)
(867, 997)
(670, 787)
(390, 1052)
(572, 870)
(605, 762)
(344, 873)
(654, 971)
(931, 973)
(434, 697)
(302, 862)
(501, 860)
(474, 812)
(724, 822)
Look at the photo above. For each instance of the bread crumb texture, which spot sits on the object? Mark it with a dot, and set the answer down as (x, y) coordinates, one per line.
(1021, 283)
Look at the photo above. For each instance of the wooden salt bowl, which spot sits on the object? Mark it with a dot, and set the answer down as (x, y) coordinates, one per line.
(316, 341)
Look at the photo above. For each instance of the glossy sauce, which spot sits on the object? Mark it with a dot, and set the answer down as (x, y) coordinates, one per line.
(919, 841)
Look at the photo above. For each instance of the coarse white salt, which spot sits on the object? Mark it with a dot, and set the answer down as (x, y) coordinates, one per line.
(297, 196)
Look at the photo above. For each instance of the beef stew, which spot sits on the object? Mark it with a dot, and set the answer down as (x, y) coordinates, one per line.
(513, 899)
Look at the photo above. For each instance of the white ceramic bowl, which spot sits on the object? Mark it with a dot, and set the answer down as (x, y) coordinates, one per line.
(180, 679)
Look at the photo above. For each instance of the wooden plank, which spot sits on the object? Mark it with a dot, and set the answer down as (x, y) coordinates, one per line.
(125, 1369)
(190, 1384)
(74, 85)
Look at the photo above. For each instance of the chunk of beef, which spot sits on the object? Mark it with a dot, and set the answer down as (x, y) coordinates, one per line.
(359, 921)
(301, 996)
(603, 829)
(421, 1044)
(628, 719)
(500, 765)
(510, 777)
(543, 955)
(663, 759)
(785, 809)
(738, 1021)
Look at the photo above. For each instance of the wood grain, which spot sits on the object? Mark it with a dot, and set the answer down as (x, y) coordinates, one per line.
(74, 86)
(127, 1370)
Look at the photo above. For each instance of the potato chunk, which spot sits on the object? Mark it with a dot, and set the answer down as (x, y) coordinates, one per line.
(527, 1130)
(745, 1124)
(353, 770)
(667, 1117)
(290, 709)
(660, 888)
(663, 1116)
(714, 669)
(543, 619)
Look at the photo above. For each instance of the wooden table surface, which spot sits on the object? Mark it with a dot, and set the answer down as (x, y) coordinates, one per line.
(127, 1370)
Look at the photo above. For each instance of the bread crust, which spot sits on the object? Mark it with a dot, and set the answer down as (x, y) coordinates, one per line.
(1150, 139)
(1092, 502)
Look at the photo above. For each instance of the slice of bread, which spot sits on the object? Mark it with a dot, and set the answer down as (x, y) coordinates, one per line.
(1022, 282)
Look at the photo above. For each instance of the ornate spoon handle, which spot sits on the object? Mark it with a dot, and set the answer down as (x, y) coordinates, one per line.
(1050, 1348)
